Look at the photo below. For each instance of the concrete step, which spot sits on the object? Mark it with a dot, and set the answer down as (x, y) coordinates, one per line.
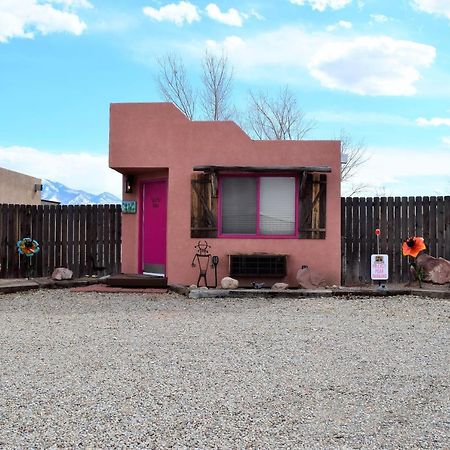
(136, 281)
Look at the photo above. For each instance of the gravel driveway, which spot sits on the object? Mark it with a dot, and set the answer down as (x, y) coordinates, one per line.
(160, 371)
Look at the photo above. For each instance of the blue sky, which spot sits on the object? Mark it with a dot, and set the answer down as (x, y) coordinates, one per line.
(380, 69)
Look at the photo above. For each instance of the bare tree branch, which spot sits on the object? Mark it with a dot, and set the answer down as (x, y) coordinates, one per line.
(356, 155)
(217, 85)
(353, 190)
(174, 84)
(277, 118)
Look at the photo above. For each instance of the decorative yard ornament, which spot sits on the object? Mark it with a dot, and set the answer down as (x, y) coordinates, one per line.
(215, 263)
(202, 256)
(412, 247)
(29, 247)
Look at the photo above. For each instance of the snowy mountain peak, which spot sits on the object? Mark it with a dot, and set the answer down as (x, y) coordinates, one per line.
(52, 190)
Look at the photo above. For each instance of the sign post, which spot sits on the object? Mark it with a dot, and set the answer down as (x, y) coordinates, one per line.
(379, 263)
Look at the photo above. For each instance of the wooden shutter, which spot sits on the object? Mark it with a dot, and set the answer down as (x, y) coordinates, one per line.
(312, 206)
(203, 205)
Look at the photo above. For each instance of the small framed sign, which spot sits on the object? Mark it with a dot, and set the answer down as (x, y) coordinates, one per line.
(129, 206)
(379, 267)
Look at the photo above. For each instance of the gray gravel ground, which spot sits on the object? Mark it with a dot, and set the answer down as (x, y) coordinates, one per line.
(160, 371)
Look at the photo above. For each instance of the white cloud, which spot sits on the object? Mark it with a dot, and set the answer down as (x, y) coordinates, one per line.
(232, 17)
(371, 65)
(73, 3)
(23, 18)
(387, 166)
(230, 44)
(446, 140)
(178, 13)
(433, 122)
(283, 50)
(367, 65)
(256, 14)
(438, 7)
(76, 170)
(341, 24)
(361, 117)
(321, 5)
(380, 18)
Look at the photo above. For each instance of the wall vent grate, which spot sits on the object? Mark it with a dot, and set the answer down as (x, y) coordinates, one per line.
(258, 266)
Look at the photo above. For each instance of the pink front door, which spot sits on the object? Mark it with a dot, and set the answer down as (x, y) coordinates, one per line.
(154, 203)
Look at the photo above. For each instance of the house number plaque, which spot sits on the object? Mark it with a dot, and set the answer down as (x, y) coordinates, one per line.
(129, 206)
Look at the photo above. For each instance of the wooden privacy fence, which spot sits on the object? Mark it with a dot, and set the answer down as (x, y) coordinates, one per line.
(84, 238)
(397, 218)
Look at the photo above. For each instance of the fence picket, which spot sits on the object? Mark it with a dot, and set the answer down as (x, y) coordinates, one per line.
(83, 237)
(364, 259)
(76, 242)
(440, 247)
(3, 248)
(397, 257)
(118, 239)
(390, 234)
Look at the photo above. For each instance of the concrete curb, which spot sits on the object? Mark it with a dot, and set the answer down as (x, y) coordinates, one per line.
(10, 287)
(311, 293)
(19, 285)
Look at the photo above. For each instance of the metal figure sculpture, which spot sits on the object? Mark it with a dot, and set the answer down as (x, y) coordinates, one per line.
(202, 256)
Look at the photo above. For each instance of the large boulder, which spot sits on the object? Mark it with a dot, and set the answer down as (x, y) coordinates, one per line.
(62, 273)
(436, 270)
(310, 279)
(229, 283)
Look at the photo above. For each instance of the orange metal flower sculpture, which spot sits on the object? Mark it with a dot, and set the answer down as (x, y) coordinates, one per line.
(413, 246)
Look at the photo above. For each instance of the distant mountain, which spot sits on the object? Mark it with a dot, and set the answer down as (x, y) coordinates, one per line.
(55, 191)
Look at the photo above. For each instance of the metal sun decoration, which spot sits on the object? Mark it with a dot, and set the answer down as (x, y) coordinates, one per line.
(29, 247)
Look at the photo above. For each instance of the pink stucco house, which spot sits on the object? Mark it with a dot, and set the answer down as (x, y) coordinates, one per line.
(266, 208)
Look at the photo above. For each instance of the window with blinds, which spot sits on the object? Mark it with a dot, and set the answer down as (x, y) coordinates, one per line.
(258, 205)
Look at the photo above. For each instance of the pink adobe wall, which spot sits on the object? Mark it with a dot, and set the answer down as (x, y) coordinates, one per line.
(155, 140)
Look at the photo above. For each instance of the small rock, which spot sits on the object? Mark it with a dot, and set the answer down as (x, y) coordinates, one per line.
(203, 288)
(193, 286)
(229, 283)
(62, 273)
(280, 286)
(310, 279)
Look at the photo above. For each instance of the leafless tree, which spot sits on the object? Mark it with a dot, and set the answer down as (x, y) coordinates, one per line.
(268, 117)
(276, 117)
(355, 154)
(174, 84)
(217, 81)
